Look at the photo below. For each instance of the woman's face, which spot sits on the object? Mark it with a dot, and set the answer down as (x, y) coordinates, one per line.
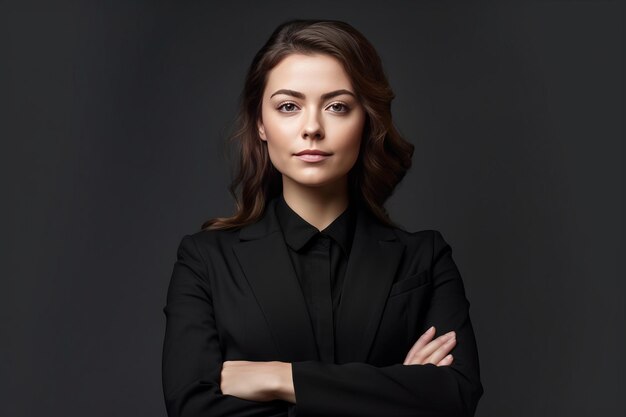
(309, 104)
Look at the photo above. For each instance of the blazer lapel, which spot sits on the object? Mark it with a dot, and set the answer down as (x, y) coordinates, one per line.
(372, 265)
(263, 256)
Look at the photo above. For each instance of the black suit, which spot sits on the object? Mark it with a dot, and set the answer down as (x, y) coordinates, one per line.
(233, 295)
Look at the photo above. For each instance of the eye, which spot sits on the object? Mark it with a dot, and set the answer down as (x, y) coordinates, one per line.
(339, 108)
(287, 107)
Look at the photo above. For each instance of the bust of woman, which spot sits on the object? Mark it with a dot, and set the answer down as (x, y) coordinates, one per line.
(310, 300)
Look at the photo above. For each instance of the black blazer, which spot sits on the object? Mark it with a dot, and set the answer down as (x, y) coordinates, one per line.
(234, 295)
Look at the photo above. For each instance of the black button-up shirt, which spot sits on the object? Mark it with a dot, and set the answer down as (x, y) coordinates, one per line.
(320, 259)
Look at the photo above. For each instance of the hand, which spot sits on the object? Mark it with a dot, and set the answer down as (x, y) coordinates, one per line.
(257, 381)
(436, 351)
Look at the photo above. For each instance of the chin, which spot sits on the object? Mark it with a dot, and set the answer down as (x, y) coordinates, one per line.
(315, 182)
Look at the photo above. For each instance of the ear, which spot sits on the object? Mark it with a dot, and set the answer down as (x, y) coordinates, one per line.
(261, 130)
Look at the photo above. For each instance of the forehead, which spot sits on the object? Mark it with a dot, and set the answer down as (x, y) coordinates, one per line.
(311, 73)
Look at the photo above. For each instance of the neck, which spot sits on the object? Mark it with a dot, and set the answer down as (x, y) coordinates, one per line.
(317, 205)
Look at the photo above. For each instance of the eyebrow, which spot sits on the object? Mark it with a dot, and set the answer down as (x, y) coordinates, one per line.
(326, 96)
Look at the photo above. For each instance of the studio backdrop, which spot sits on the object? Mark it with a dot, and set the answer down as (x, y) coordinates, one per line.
(113, 120)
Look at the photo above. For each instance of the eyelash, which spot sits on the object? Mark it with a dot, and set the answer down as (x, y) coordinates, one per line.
(346, 108)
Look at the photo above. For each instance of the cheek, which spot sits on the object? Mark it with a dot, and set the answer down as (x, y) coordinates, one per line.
(277, 151)
(275, 134)
(279, 145)
(352, 139)
(278, 131)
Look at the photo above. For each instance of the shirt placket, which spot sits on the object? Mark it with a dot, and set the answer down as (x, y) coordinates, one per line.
(322, 297)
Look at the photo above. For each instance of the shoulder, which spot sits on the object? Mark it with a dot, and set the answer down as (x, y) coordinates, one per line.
(209, 242)
(215, 236)
(426, 251)
(428, 244)
(430, 237)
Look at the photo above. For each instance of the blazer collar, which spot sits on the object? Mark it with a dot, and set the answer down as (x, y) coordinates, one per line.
(298, 232)
(374, 258)
(269, 224)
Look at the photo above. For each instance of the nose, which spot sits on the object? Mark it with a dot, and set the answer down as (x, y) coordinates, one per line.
(313, 128)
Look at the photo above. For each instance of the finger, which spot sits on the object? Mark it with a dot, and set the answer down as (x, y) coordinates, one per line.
(420, 343)
(442, 351)
(446, 361)
(431, 347)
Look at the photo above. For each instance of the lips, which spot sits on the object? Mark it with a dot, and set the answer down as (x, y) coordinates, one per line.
(312, 152)
(312, 155)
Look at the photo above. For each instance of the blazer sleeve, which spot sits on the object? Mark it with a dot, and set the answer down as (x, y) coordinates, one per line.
(359, 389)
(192, 360)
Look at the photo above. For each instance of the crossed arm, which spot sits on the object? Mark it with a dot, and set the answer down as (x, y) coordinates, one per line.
(273, 380)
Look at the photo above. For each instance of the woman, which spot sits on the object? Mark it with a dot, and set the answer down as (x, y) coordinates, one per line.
(310, 301)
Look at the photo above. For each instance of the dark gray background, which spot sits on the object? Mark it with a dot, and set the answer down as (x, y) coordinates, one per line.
(113, 116)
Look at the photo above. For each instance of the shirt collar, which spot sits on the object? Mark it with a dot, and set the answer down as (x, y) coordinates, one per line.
(298, 232)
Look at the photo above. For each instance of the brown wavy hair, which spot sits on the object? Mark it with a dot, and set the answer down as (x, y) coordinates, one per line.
(384, 155)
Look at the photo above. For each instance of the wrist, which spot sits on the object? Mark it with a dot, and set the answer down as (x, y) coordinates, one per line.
(284, 382)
